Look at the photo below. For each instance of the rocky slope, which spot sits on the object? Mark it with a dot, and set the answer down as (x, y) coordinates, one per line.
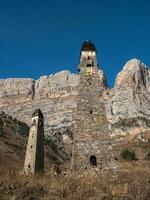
(127, 104)
(130, 96)
(55, 95)
(13, 138)
(13, 141)
(127, 108)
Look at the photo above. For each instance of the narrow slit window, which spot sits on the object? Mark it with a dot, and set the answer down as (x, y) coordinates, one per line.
(93, 160)
(33, 122)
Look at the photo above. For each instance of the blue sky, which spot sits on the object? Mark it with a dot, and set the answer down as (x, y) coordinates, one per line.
(40, 37)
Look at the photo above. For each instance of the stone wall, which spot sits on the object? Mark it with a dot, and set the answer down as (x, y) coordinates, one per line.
(92, 151)
(34, 160)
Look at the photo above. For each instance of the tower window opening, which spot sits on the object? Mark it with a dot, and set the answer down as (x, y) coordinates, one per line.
(31, 146)
(88, 57)
(29, 166)
(93, 160)
(33, 122)
(89, 65)
(91, 112)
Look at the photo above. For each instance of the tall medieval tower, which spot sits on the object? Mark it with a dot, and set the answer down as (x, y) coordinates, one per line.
(34, 160)
(92, 143)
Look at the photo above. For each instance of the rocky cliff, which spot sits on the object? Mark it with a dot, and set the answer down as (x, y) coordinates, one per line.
(127, 104)
(55, 95)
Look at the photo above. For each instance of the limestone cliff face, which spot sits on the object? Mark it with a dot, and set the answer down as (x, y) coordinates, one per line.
(15, 91)
(55, 95)
(134, 74)
(130, 96)
(127, 104)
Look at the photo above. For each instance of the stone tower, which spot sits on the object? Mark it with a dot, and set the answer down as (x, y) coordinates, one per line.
(34, 160)
(92, 143)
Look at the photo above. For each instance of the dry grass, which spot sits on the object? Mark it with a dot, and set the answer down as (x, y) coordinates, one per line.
(15, 186)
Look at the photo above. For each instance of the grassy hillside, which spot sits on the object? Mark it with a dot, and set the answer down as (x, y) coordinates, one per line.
(131, 183)
(125, 186)
(13, 142)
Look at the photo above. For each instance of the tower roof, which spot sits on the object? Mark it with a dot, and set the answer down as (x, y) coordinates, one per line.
(88, 46)
(38, 113)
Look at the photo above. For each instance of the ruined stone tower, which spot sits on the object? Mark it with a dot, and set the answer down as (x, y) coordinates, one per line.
(34, 160)
(92, 144)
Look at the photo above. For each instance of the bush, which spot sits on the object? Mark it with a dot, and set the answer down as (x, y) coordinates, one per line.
(51, 143)
(1, 126)
(128, 154)
(23, 129)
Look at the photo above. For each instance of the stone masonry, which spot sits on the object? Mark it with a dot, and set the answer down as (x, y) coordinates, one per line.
(34, 160)
(92, 143)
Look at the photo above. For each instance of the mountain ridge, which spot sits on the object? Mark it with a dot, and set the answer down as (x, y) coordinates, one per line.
(56, 96)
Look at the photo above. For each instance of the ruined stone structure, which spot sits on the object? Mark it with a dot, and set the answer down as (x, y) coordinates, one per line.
(34, 161)
(92, 143)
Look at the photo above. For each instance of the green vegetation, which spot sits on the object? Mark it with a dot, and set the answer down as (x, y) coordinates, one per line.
(51, 143)
(9, 125)
(128, 154)
(1, 126)
(23, 129)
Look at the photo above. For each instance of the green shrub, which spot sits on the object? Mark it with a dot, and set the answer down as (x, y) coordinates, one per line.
(51, 143)
(128, 154)
(23, 129)
(1, 126)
